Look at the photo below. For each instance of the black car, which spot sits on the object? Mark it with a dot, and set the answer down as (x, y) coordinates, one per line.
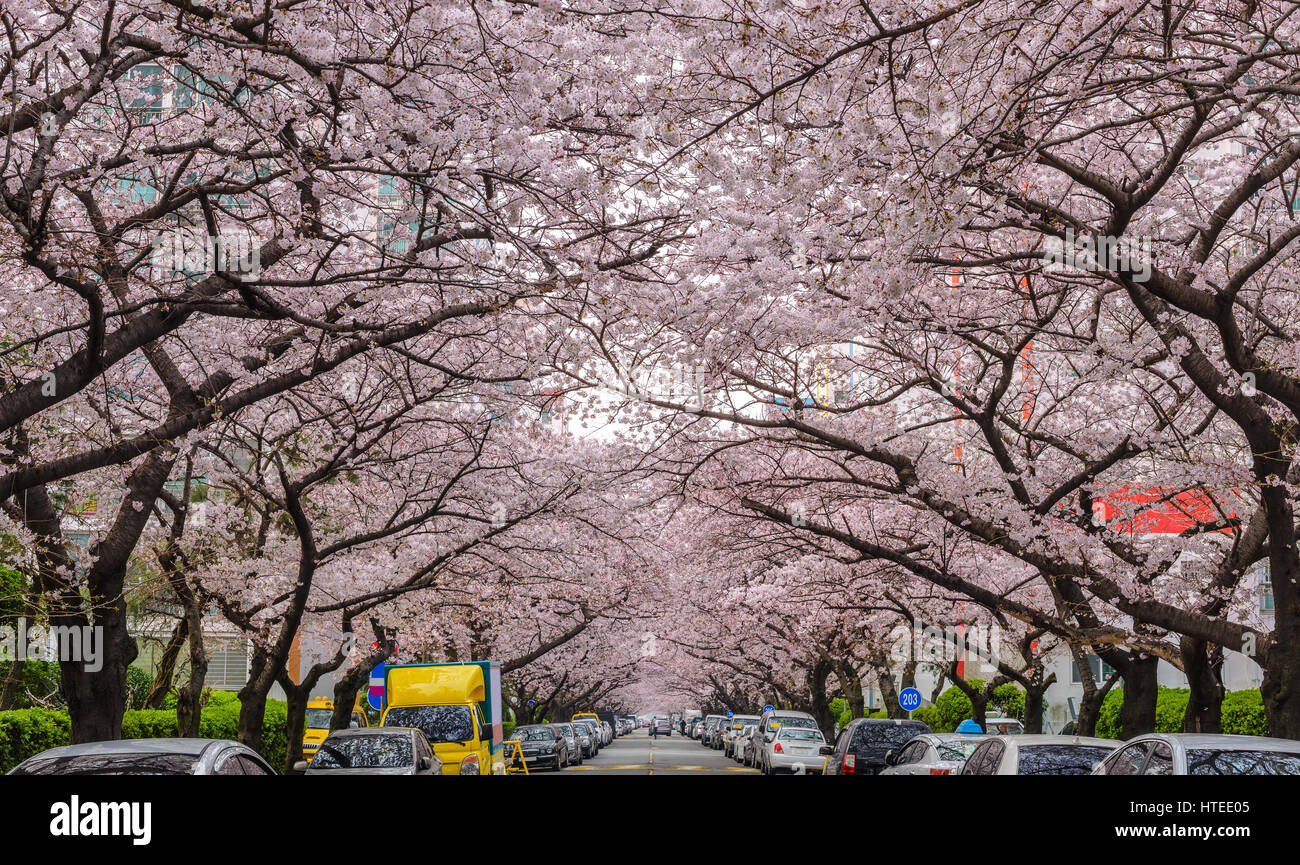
(861, 746)
(543, 746)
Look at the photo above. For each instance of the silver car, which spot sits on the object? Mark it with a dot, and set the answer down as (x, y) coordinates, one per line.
(1202, 754)
(571, 739)
(742, 747)
(1037, 755)
(931, 754)
(374, 751)
(794, 749)
(147, 757)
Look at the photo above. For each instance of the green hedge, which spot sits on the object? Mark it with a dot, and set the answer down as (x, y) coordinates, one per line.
(26, 732)
(41, 686)
(1242, 712)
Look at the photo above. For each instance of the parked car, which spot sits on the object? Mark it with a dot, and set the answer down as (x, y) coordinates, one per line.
(770, 723)
(374, 751)
(732, 728)
(586, 739)
(861, 746)
(742, 750)
(1202, 754)
(794, 749)
(147, 757)
(663, 725)
(1038, 755)
(1003, 727)
(691, 723)
(572, 742)
(542, 746)
(931, 754)
(711, 723)
(607, 732)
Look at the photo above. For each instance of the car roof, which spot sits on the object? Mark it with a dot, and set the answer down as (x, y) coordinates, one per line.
(1226, 741)
(1029, 740)
(187, 747)
(889, 721)
(788, 713)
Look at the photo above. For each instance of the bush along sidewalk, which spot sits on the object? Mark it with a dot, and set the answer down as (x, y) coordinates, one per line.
(27, 732)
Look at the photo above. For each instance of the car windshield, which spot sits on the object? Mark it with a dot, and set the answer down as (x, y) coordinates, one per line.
(791, 733)
(565, 729)
(319, 719)
(438, 723)
(805, 723)
(534, 734)
(112, 764)
(364, 752)
(1207, 761)
(1060, 759)
(956, 750)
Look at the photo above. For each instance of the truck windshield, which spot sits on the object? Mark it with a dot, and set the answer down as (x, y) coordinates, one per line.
(319, 719)
(438, 723)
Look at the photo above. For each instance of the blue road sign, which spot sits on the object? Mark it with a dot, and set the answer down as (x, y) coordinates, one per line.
(730, 714)
(909, 699)
(375, 694)
(767, 708)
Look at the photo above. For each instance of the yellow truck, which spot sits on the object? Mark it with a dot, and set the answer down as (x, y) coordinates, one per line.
(457, 706)
(319, 712)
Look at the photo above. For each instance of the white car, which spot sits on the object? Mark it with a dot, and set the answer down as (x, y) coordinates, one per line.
(741, 745)
(1202, 754)
(931, 754)
(1037, 755)
(794, 749)
(732, 728)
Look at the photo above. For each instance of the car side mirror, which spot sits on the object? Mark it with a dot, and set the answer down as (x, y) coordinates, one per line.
(300, 766)
(771, 737)
(826, 750)
(890, 757)
(425, 764)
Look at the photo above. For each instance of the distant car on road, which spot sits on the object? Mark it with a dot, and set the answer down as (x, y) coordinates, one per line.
(1038, 755)
(732, 728)
(1202, 754)
(663, 725)
(147, 757)
(742, 750)
(571, 741)
(374, 751)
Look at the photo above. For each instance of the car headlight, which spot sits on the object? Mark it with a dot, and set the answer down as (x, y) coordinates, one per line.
(469, 766)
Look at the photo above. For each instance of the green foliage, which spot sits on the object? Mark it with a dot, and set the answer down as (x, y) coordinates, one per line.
(508, 727)
(841, 710)
(1242, 712)
(138, 683)
(928, 715)
(40, 687)
(26, 732)
(953, 707)
(1009, 699)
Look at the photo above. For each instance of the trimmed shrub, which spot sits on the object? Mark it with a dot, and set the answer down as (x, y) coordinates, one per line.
(24, 732)
(927, 715)
(1242, 712)
(40, 687)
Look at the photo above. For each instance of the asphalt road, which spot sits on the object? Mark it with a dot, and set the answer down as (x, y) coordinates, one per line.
(638, 754)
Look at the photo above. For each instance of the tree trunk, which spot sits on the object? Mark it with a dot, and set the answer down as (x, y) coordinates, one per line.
(13, 676)
(852, 685)
(1138, 714)
(1205, 701)
(295, 725)
(821, 706)
(162, 680)
(1033, 719)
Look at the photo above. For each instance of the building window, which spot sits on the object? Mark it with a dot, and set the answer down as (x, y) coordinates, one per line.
(227, 663)
(1101, 671)
(1266, 581)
